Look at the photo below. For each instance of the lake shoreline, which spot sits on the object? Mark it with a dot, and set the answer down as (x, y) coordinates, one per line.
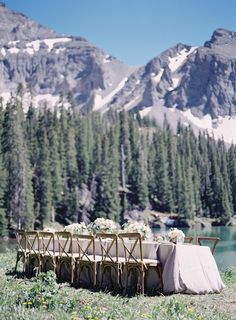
(162, 220)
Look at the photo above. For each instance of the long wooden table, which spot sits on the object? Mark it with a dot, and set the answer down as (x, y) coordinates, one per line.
(186, 268)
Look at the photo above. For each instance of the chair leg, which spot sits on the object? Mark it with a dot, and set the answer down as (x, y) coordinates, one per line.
(118, 276)
(77, 268)
(142, 280)
(72, 271)
(17, 260)
(41, 264)
(126, 279)
(102, 275)
(94, 274)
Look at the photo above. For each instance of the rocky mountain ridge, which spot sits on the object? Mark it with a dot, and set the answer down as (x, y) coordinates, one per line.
(194, 85)
(48, 64)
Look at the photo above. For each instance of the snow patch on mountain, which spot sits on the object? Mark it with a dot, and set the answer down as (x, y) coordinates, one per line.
(13, 50)
(176, 62)
(157, 78)
(145, 111)
(220, 128)
(131, 104)
(100, 101)
(107, 59)
(3, 51)
(34, 45)
(50, 42)
(59, 50)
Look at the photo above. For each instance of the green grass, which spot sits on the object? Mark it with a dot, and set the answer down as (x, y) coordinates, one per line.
(42, 298)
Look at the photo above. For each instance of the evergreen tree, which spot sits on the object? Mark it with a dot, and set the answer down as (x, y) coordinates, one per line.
(82, 150)
(43, 195)
(17, 166)
(162, 190)
(138, 192)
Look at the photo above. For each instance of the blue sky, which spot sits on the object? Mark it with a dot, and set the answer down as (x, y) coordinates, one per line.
(133, 31)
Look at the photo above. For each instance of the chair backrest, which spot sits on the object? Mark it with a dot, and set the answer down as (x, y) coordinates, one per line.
(32, 242)
(109, 246)
(132, 245)
(201, 240)
(63, 243)
(84, 246)
(47, 243)
(188, 239)
(21, 240)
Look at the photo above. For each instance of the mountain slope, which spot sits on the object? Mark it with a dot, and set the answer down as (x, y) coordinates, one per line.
(196, 86)
(49, 64)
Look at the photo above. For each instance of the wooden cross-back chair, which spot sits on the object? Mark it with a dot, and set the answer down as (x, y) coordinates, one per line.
(134, 261)
(110, 258)
(47, 250)
(203, 240)
(33, 254)
(21, 248)
(83, 250)
(63, 252)
(188, 239)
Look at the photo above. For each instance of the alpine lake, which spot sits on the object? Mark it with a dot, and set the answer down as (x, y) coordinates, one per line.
(225, 252)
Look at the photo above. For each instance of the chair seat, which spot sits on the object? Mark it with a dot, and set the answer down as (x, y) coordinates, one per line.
(35, 253)
(49, 253)
(63, 255)
(120, 260)
(90, 258)
(150, 262)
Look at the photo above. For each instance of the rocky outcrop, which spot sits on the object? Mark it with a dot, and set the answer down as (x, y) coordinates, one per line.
(48, 64)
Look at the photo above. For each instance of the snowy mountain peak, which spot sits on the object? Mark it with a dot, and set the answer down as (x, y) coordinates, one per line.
(194, 85)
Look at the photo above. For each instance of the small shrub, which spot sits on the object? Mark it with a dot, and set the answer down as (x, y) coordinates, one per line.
(230, 275)
(42, 294)
(175, 310)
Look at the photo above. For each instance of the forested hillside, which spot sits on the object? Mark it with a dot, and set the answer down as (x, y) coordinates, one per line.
(61, 166)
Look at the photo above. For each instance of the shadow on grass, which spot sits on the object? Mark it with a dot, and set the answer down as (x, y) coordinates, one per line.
(15, 274)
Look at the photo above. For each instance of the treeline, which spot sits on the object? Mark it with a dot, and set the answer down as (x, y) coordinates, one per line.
(61, 166)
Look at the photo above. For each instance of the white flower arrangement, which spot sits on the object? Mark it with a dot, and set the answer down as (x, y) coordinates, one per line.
(105, 225)
(77, 228)
(175, 235)
(159, 238)
(135, 226)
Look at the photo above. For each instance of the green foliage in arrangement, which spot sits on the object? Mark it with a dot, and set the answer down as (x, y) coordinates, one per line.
(59, 165)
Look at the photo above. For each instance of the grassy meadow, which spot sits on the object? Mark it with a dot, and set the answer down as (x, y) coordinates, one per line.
(42, 298)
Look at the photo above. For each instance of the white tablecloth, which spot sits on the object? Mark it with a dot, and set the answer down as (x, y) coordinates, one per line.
(189, 269)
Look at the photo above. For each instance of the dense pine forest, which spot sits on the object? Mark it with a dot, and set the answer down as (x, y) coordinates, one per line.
(58, 165)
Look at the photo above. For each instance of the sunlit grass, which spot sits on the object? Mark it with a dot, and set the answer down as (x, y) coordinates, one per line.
(43, 298)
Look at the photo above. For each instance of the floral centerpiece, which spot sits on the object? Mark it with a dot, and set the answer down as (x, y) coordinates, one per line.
(105, 225)
(175, 235)
(78, 228)
(135, 226)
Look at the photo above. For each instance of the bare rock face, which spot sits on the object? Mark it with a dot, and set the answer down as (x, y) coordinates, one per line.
(49, 64)
(208, 84)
